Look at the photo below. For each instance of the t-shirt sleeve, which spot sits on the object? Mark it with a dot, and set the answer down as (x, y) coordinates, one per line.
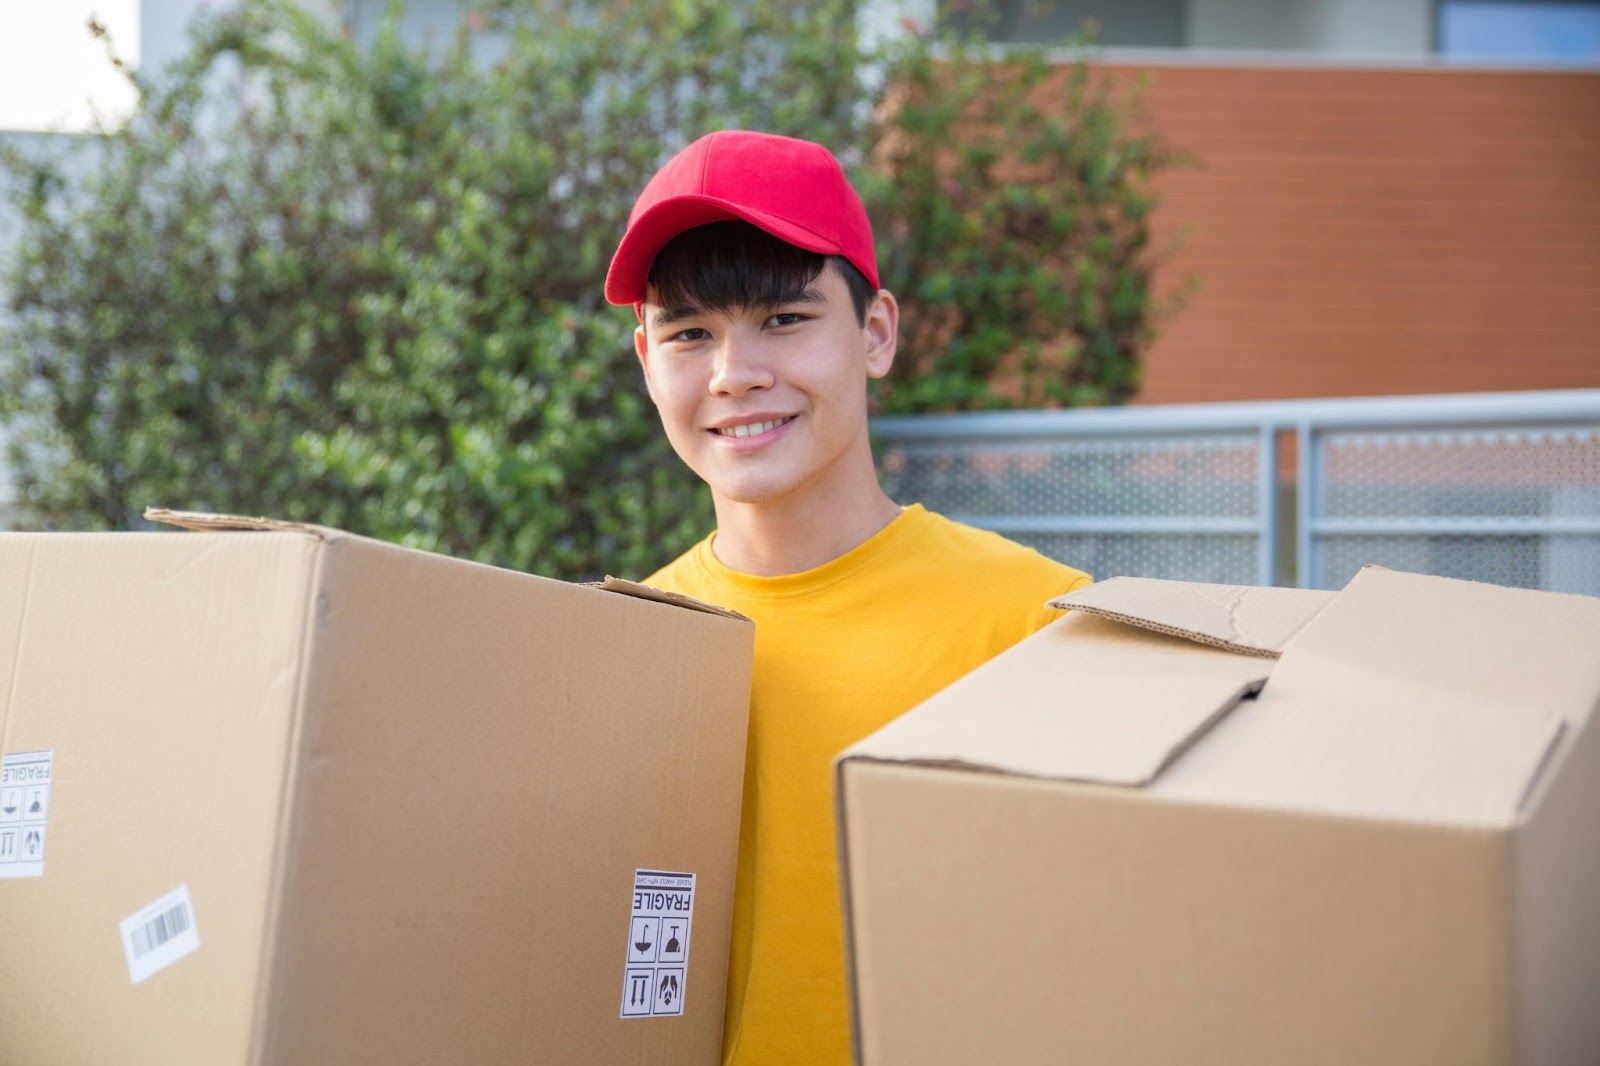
(1057, 582)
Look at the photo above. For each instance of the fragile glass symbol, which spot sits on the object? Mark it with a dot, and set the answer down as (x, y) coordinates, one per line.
(672, 945)
(33, 808)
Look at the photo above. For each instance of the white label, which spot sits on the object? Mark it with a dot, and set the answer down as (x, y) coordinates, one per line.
(24, 809)
(160, 934)
(657, 971)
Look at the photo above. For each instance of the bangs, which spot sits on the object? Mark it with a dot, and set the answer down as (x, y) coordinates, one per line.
(731, 266)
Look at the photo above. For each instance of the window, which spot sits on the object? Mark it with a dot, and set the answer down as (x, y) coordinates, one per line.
(1554, 31)
(1131, 23)
(54, 75)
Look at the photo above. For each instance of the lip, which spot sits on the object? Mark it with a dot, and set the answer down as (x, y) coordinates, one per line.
(755, 441)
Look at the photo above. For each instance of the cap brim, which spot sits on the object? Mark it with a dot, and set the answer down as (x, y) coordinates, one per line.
(651, 231)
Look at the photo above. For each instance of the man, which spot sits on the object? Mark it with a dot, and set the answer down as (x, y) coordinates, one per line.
(749, 260)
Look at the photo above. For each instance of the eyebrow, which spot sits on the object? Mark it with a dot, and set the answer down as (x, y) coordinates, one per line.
(666, 316)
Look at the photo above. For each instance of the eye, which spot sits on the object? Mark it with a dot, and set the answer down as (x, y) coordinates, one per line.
(786, 318)
(688, 336)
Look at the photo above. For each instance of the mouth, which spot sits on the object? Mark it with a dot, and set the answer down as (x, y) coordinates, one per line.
(753, 429)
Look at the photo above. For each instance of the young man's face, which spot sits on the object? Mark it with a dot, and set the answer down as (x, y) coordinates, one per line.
(764, 401)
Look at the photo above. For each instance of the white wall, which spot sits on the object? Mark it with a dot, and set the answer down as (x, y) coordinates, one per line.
(162, 25)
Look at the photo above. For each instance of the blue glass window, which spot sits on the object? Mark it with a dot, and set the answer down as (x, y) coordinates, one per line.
(1532, 30)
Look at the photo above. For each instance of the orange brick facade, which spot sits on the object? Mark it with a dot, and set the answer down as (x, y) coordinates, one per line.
(1364, 232)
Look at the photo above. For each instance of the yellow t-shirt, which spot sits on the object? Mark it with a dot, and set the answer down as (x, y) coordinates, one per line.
(840, 651)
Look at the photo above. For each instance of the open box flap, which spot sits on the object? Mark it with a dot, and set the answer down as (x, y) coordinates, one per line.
(1411, 697)
(205, 522)
(1250, 620)
(624, 587)
(1085, 699)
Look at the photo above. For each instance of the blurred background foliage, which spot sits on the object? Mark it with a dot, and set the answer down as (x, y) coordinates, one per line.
(361, 286)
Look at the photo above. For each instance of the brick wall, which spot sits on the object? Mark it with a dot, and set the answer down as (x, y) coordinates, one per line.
(1362, 232)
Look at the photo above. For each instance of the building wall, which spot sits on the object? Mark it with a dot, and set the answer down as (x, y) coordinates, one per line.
(1360, 231)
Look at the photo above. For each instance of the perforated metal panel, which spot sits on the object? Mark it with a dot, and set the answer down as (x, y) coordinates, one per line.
(1511, 505)
(1226, 559)
(1493, 487)
(1154, 506)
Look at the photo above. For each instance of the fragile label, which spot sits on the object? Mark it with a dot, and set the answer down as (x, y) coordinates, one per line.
(159, 934)
(657, 970)
(24, 812)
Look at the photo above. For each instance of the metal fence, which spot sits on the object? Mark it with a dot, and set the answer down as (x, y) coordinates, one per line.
(1498, 487)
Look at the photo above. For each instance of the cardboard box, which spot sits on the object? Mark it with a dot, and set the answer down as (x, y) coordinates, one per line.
(307, 798)
(1097, 849)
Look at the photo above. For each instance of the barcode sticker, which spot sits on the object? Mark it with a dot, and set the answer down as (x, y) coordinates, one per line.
(159, 934)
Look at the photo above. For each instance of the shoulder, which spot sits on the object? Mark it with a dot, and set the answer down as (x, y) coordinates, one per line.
(684, 574)
(983, 552)
(968, 573)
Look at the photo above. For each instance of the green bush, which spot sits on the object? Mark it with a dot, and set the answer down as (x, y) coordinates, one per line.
(362, 286)
(1015, 199)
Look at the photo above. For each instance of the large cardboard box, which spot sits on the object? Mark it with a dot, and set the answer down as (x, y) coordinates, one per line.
(1098, 848)
(283, 795)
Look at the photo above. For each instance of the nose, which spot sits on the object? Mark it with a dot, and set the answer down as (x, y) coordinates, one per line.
(739, 365)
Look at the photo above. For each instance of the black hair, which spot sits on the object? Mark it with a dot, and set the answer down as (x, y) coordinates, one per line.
(724, 266)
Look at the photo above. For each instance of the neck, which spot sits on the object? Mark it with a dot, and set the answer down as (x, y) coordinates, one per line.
(803, 529)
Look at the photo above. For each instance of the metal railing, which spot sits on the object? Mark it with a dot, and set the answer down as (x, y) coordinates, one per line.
(1501, 487)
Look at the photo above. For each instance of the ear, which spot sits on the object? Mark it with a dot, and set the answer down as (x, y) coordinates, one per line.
(882, 328)
(641, 348)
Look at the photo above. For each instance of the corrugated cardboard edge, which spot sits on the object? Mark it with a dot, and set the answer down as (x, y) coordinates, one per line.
(204, 522)
(1157, 605)
(624, 587)
(1175, 631)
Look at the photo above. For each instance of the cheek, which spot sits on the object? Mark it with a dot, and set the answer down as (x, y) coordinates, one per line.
(842, 388)
(676, 399)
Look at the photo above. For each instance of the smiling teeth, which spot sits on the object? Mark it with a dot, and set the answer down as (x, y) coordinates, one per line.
(752, 429)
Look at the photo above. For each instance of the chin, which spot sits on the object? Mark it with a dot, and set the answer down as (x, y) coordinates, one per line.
(755, 491)
(751, 497)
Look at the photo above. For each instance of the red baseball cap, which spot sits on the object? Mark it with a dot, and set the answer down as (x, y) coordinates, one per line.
(794, 190)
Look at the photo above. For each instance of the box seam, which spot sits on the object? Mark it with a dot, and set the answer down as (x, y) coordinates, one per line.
(847, 912)
(1504, 843)
(260, 1028)
(16, 650)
